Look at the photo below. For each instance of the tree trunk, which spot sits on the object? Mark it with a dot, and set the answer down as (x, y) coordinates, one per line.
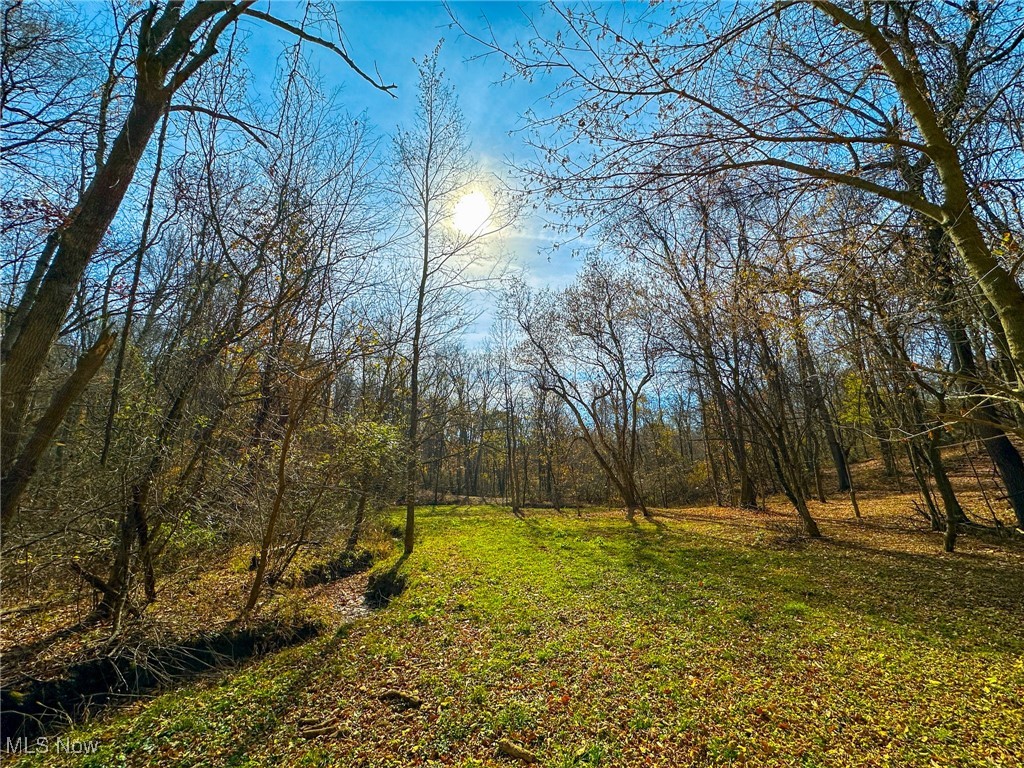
(1004, 455)
(955, 215)
(816, 395)
(36, 321)
(949, 500)
(270, 530)
(39, 316)
(357, 523)
(23, 468)
(412, 462)
(922, 484)
(999, 287)
(791, 487)
(732, 426)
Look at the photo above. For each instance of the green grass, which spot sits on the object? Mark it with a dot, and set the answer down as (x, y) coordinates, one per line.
(598, 643)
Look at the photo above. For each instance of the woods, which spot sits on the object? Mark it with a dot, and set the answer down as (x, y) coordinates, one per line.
(271, 292)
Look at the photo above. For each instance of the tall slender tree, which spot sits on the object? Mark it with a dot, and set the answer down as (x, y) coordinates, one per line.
(435, 172)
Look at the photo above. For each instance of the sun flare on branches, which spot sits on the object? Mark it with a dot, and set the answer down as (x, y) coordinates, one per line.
(472, 212)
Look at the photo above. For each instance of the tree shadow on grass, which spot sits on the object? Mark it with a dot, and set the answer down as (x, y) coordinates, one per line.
(383, 586)
(867, 577)
(927, 594)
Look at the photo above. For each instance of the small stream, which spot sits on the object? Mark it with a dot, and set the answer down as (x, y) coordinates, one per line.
(31, 708)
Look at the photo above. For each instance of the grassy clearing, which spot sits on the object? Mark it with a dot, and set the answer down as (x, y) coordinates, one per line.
(717, 638)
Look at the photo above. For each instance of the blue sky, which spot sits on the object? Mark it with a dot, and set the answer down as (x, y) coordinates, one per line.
(387, 36)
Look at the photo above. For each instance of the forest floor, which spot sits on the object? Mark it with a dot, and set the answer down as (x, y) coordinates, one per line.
(713, 637)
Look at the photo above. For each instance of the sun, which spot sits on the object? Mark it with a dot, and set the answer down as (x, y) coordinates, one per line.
(471, 213)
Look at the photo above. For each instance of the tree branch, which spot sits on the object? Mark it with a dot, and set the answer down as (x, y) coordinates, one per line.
(304, 35)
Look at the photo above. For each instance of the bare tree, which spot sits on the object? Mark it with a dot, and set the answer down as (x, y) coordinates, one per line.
(171, 45)
(825, 92)
(595, 346)
(434, 172)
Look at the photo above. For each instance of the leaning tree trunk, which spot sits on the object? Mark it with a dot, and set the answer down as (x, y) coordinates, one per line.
(39, 316)
(164, 43)
(790, 481)
(1002, 452)
(276, 511)
(816, 395)
(772, 419)
(955, 215)
(23, 467)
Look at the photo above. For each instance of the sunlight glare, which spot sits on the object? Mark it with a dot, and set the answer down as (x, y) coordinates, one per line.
(471, 213)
